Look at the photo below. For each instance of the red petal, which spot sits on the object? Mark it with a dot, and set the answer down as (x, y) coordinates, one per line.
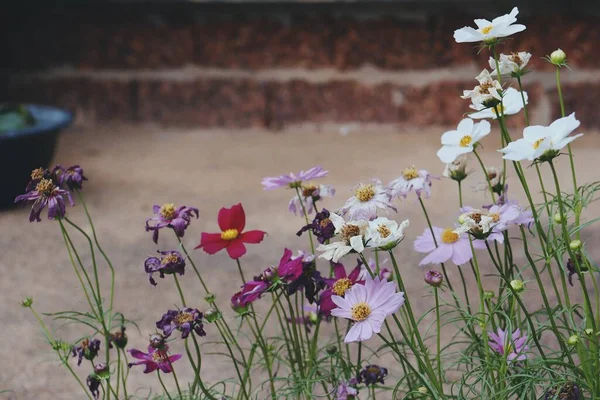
(355, 273)
(339, 271)
(236, 249)
(252, 236)
(212, 243)
(232, 218)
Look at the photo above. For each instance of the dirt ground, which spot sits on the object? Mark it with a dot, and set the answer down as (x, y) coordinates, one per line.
(133, 167)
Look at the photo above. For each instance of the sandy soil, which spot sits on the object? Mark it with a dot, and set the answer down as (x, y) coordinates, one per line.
(133, 167)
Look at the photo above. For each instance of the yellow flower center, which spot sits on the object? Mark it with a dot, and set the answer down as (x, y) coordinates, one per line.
(167, 210)
(183, 317)
(495, 217)
(487, 29)
(45, 187)
(159, 356)
(349, 231)
(169, 258)
(360, 311)
(230, 234)
(384, 231)
(410, 173)
(365, 193)
(37, 174)
(341, 285)
(537, 143)
(514, 57)
(465, 141)
(484, 88)
(449, 236)
(325, 222)
(308, 190)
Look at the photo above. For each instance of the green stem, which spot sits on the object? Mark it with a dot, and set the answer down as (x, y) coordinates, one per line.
(123, 377)
(179, 290)
(163, 384)
(310, 238)
(487, 178)
(175, 379)
(438, 335)
(525, 111)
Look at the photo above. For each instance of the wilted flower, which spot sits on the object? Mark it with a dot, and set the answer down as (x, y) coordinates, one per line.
(434, 278)
(46, 193)
(494, 176)
(347, 390)
(71, 177)
(385, 234)
(409, 180)
(156, 358)
(457, 169)
(352, 235)
(37, 175)
(450, 246)
(512, 103)
(494, 221)
(510, 64)
(169, 216)
(463, 139)
(251, 291)
(321, 227)
(367, 199)
(87, 349)
(93, 384)
(310, 280)
(338, 285)
(292, 180)
(185, 321)
(513, 347)
(372, 374)
(367, 305)
(119, 338)
(490, 31)
(157, 341)
(232, 222)
(566, 391)
(478, 223)
(310, 194)
(543, 142)
(170, 263)
(488, 93)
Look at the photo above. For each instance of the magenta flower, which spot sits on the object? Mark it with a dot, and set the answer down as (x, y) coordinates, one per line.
(310, 195)
(251, 291)
(292, 180)
(513, 347)
(338, 285)
(410, 180)
(46, 193)
(155, 359)
(290, 268)
(169, 216)
(451, 246)
(171, 262)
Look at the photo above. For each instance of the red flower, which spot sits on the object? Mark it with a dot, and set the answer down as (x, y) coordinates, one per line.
(231, 222)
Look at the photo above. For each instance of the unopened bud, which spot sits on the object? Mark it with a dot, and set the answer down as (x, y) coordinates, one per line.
(157, 341)
(434, 278)
(575, 244)
(557, 218)
(422, 390)
(212, 315)
(517, 285)
(331, 350)
(27, 302)
(101, 370)
(573, 340)
(488, 295)
(210, 298)
(589, 331)
(558, 57)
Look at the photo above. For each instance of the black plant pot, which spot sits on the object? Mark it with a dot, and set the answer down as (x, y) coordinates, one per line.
(25, 149)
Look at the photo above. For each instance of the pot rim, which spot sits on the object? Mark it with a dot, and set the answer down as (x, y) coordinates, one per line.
(47, 119)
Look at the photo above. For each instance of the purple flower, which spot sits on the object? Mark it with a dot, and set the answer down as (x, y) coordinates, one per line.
(434, 278)
(87, 349)
(290, 268)
(71, 177)
(347, 390)
(251, 291)
(292, 180)
(169, 216)
(171, 262)
(566, 391)
(185, 320)
(450, 246)
(46, 193)
(310, 195)
(367, 199)
(503, 216)
(513, 347)
(37, 175)
(411, 179)
(321, 227)
(93, 384)
(155, 359)
(310, 280)
(571, 268)
(372, 374)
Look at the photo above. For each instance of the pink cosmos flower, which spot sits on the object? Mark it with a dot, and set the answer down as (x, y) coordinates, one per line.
(367, 199)
(338, 285)
(292, 180)
(513, 347)
(451, 246)
(155, 359)
(409, 180)
(251, 291)
(367, 305)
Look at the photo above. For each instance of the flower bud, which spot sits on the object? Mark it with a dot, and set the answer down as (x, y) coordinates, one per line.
(331, 350)
(102, 370)
(210, 298)
(27, 302)
(434, 278)
(558, 57)
(422, 390)
(119, 338)
(557, 218)
(575, 244)
(589, 331)
(517, 285)
(489, 294)
(212, 315)
(573, 340)
(157, 341)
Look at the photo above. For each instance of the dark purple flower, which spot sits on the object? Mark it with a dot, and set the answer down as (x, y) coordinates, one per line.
(338, 286)
(169, 216)
(46, 193)
(71, 177)
(321, 227)
(185, 320)
(171, 262)
(567, 391)
(37, 175)
(310, 280)
(571, 268)
(251, 291)
(118, 338)
(87, 349)
(372, 374)
(93, 383)
(155, 359)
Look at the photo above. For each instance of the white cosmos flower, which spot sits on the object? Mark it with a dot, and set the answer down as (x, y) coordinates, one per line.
(352, 235)
(511, 104)
(487, 91)
(411, 179)
(510, 64)
(385, 233)
(488, 31)
(539, 139)
(366, 200)
(462, 140)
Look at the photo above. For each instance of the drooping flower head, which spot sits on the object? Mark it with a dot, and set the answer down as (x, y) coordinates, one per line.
(372, 374)
(385, 234)
(170, 262)
(367, 199)
(463, 139)
(512, 346)
(487, 94)
(292, 180)
(322, 227)
(511, 65)
(232, 222)
(457, 169)
(347, 390)
(310, 195)
(338, 285)
(251, 291)
(46, 193)
(367, 305)
(310, 279)
(450, 246)
(490, 31)
(71, 178)
(118, 338)
(512, 103)
(169, 216)
(87, 348)
(411, 179)
(185, 320)
(156, 358)
(352, 236)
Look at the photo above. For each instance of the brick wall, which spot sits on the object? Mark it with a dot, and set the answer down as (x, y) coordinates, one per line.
(227, 66)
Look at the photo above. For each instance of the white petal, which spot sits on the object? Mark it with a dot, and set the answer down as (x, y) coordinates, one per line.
(467, 35)
(535, 132)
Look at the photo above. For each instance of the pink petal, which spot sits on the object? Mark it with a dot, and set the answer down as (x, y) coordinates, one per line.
(461, 252)
(232, 218)
(439, 255)
(252, 236)
(236, 249)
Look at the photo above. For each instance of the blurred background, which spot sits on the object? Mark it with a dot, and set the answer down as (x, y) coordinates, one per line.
(193, 102)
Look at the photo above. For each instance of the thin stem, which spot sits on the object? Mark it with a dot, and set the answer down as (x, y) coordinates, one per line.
(175, 379)
(525, 111)
(163, 385)
(487, 178)
(460, 198)
(438, 335)
(179, 290)
(310, 238)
